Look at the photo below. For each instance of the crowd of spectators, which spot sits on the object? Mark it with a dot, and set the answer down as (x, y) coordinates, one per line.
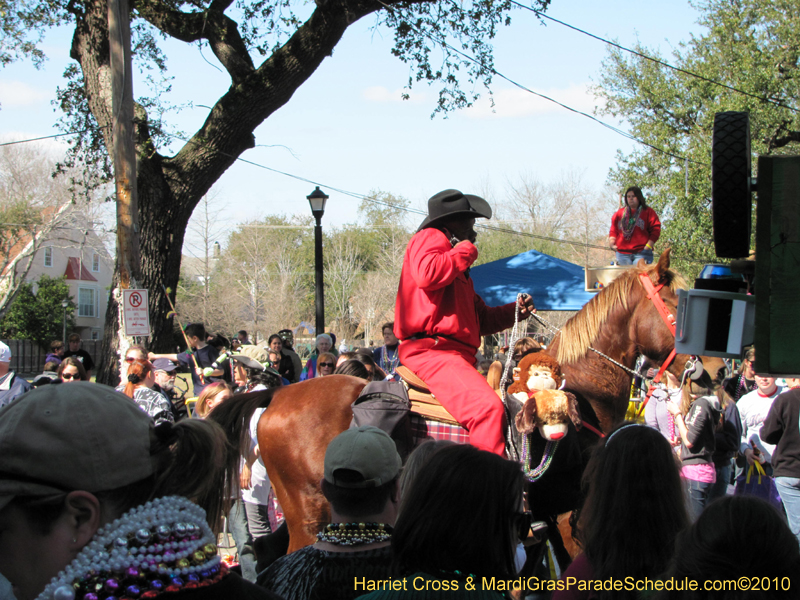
(658, 497)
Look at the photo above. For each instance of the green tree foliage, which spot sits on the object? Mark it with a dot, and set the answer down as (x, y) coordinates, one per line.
(39, 316)
(750, 45)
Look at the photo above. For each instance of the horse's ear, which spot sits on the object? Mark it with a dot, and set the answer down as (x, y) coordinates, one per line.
(663, 264)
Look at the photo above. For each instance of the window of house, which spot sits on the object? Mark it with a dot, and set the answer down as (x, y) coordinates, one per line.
(95, 263)
(87, 302)
(48, 257)
(95, 334)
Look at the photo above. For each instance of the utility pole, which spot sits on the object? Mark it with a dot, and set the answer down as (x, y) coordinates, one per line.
(123, 154)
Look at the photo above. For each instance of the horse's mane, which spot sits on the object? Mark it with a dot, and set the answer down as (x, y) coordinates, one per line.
(581, 331)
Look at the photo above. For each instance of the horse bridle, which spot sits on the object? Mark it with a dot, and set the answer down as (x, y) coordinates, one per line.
(694, 366)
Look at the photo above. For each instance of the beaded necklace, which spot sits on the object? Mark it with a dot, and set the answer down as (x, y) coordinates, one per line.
(162, 546)
(532, 474)
(629, 221)
(742, 388)
(355, 534)
(388, 362)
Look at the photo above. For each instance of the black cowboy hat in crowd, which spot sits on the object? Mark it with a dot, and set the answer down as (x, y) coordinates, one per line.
(452, 203)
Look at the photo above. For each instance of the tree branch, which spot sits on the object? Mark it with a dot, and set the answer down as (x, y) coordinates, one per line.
(221, 32)
(228, 129)
(784, 140)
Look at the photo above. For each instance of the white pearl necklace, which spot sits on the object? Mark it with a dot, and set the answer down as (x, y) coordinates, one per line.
(163, 538)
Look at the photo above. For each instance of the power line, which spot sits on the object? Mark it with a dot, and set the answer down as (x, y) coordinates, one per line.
(55, 135)
(656, 60)
(358, 196)
(494, 71)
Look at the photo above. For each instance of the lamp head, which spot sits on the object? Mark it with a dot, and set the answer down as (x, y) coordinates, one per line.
(317, 200)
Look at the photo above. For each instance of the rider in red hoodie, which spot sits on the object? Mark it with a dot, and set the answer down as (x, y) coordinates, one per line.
(440, 318)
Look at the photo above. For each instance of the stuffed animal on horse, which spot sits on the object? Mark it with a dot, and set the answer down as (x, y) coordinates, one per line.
(551, 453)
(537, 371)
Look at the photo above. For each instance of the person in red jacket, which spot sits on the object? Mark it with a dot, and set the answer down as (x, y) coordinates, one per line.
(635, 229)
(440, 318)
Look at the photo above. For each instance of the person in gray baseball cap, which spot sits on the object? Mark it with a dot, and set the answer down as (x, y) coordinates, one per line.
(362, 469)
(94, 500)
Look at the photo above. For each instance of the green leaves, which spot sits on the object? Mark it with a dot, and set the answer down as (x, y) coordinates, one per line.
(39, 317)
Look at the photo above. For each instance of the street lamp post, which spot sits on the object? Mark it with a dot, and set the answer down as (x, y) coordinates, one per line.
(317, 200)
(64, 305)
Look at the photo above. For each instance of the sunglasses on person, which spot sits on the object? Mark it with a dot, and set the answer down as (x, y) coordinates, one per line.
(522, 522)
(70, 376)
(130, 359)
(327, 364)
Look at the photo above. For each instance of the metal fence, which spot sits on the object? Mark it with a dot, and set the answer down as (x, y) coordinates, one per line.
(27, 358)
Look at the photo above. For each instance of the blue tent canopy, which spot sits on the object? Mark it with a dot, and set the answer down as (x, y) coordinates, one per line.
(555, 284)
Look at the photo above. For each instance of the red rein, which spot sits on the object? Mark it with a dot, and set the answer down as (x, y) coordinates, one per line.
(669, 319)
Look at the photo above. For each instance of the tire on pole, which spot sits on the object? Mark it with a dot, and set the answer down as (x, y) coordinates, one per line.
(731, 203)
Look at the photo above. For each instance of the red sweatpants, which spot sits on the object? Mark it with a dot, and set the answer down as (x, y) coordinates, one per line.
(447, 368)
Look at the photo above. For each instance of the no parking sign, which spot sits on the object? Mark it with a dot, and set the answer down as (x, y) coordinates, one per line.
(135, 313)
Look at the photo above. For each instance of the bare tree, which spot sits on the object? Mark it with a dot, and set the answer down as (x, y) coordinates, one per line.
(207, 226)
(344, 267)
(373, 303)
(261, 280)
(592, 220)
(36, 207)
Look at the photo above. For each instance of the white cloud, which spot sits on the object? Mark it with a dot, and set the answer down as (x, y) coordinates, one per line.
(17, 94)
(514, 103)
(379, 93)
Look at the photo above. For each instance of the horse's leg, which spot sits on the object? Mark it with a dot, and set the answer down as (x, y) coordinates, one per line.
(565, 529)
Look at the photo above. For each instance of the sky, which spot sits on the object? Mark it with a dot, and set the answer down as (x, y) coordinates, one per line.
(348, 128)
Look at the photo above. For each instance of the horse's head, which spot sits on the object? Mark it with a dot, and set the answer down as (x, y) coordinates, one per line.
(656, 340)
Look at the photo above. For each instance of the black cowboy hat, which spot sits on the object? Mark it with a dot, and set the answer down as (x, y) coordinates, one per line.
(452, 203)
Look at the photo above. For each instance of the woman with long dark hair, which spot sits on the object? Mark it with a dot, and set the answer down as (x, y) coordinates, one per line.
(737, 539)
(285, 365)
(634, 507)
(635, 229)
(71, 369)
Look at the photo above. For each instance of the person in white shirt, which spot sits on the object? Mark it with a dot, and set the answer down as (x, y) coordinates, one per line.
(753, 408)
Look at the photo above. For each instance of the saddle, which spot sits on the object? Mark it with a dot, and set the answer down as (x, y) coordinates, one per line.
(423, 401)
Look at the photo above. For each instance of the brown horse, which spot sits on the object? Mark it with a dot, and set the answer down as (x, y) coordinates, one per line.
(303, 418)
(622, 323)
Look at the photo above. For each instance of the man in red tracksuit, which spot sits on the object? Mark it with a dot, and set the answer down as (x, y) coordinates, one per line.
(440, 318)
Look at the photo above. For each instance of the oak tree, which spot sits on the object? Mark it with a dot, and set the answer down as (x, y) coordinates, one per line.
(269, 48)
